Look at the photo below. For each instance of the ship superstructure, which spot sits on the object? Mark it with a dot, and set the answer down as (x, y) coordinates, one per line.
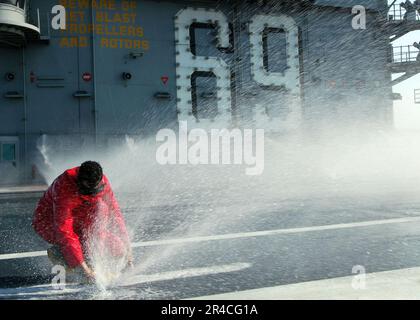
(133, 67)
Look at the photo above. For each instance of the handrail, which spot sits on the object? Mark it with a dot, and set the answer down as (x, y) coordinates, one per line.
(393, 2)
(397, 13)
(403, 54)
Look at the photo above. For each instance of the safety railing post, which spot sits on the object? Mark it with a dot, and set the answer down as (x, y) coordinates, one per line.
(417, 96)
(403, 54)
(397, 13)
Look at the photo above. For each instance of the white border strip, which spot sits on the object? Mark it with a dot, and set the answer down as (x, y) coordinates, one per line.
(237, 235)
(402, 284)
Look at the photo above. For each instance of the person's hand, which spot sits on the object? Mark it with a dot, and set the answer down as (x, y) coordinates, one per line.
(130, 263)
(89, 273)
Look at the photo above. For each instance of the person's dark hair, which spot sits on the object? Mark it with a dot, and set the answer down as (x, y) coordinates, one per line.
(89, 176)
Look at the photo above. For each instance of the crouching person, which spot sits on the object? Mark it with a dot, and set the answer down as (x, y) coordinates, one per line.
(80, 217)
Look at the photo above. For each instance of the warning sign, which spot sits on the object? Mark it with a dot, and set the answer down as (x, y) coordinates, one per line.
(165, 79)
(87, 77)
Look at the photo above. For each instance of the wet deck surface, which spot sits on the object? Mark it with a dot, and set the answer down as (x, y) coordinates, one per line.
(235, 259)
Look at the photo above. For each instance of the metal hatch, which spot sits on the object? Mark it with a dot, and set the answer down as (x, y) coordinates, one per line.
(9, 159)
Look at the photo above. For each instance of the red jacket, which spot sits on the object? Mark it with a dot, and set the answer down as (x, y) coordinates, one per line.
(68, 219)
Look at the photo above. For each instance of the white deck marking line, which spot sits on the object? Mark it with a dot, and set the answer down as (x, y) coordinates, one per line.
(255, 234)
(185, 273)
(9, 256)
(48, 289)
(402, 284)
(275, 232)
